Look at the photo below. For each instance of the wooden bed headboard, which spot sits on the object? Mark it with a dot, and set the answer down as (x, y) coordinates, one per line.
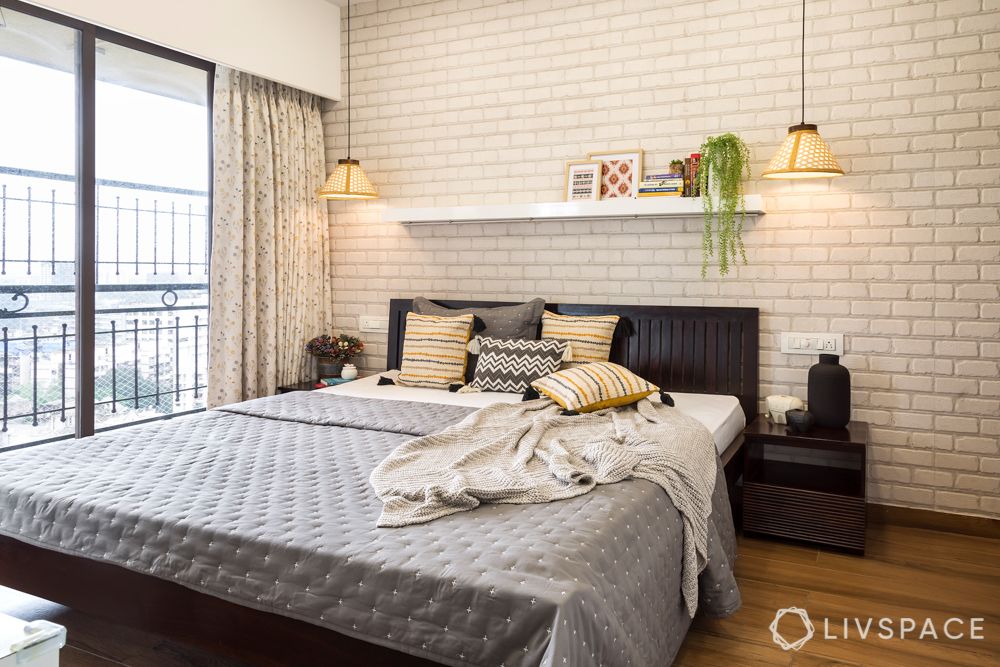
(680, 348)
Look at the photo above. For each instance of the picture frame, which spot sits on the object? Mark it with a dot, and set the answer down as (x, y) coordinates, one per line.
(583, 180)
(621, 173)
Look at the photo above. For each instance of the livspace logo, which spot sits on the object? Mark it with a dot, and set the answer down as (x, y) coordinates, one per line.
(883, 628)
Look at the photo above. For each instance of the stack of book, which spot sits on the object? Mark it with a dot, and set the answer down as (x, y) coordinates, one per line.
(662, 185)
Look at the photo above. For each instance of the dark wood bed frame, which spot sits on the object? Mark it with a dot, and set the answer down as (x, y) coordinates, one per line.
(685, 349)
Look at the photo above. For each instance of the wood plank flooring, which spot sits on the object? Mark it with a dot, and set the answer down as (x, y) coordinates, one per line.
(908, 572)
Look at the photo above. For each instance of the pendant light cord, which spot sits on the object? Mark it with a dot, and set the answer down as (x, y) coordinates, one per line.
(803, 61)
(349, 75)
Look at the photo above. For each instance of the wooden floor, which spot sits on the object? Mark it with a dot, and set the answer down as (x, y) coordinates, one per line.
(907, 572)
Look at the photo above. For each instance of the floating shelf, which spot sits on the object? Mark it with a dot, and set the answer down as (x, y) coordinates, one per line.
(648, 207)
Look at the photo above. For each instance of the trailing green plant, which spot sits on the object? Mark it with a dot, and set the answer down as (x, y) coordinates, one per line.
(725, 161)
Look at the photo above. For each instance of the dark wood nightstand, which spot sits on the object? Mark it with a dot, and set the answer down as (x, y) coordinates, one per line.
(806, 486)
(298, 386)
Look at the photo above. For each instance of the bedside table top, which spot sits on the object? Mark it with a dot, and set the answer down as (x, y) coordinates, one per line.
(762, 428)
(298, 386)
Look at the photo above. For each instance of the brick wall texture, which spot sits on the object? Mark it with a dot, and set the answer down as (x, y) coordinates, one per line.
(483, 101)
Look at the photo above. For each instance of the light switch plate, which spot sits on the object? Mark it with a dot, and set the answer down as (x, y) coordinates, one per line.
(374, 323)
(812, 343)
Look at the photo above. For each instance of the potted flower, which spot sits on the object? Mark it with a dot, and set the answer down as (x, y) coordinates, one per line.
(725, 161)
(331, 352)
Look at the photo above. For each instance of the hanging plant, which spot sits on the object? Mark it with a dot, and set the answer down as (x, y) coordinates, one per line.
(725, 160)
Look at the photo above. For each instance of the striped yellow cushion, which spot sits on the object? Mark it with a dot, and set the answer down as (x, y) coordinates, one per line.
(434, 350)
(595, 386)
(589, 335)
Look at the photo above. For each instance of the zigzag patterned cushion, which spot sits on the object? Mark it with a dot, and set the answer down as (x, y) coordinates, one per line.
(594, 386)
(434, 351)
(512, 365)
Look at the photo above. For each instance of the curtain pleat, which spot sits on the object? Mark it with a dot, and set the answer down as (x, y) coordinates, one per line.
(269, 284)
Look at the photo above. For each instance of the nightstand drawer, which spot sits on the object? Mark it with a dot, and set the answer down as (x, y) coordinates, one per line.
(826, 518)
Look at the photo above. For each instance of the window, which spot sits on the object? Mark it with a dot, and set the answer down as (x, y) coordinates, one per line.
(108, 169)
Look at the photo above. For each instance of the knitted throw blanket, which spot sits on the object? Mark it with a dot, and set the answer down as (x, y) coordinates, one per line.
(529, 453)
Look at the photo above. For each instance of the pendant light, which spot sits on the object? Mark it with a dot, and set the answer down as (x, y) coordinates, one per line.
(348, 180)
(803, 154)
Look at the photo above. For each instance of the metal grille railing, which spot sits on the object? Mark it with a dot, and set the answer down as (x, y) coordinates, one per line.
(173, 387)
(150, 354)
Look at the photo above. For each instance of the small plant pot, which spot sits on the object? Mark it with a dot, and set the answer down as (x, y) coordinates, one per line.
(328, 367)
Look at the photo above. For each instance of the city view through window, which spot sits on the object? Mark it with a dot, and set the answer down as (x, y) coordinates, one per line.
(151, 242)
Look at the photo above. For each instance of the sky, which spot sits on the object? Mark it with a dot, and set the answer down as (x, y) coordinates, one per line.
(141, 137)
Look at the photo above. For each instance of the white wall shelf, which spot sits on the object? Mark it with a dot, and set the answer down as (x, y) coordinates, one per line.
(648, 207)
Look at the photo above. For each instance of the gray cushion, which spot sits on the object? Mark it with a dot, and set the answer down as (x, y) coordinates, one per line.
(512, 365)
(520, 321)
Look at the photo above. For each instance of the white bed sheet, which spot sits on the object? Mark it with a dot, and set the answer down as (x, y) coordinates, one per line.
(721, 415)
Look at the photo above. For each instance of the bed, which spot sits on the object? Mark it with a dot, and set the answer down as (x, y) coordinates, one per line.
(181, 526)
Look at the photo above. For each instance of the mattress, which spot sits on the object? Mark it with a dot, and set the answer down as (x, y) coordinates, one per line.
(267, 504)
(722, 415)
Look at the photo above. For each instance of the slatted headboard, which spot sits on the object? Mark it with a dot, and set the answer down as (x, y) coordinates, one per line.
(680, 348)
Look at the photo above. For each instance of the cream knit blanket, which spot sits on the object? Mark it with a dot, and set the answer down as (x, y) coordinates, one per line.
(529, 453)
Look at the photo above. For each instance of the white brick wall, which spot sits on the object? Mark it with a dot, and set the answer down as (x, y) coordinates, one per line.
(482, 101)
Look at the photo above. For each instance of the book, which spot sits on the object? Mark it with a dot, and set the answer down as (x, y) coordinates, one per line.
(687, 177)
(661, 190)
(695, 161)
(662, 184)
(330, 382)
(676, 193)
(659, 177)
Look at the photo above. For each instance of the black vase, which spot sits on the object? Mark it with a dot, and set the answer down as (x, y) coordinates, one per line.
(830, 392)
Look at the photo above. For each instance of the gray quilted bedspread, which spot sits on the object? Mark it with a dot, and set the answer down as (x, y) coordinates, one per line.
(267, 504)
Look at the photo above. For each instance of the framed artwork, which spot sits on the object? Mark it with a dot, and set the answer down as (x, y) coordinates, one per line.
(621, 173)
(583, 180)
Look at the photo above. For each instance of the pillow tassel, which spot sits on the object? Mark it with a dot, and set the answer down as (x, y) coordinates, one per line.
(385, 380)
(530, 394)
(478, 324)
(455, 387)
(625, 327)
(569, 413)
(568, 354)
(468, 389)
(473, 346)
(666, 399)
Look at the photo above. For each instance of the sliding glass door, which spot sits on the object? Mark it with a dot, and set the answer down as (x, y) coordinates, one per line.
(152, 233)
(104, 228)
(39, 68)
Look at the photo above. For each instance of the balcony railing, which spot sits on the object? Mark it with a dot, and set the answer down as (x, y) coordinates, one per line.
(151, 342)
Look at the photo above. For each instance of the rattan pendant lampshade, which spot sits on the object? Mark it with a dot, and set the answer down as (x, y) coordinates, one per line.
(348, 180)
(803, 154)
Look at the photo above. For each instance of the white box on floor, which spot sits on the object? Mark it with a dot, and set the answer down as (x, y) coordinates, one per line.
(30, 644)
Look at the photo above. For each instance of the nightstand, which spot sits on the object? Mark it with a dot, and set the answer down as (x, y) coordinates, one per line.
(806, 486)
(298, 386)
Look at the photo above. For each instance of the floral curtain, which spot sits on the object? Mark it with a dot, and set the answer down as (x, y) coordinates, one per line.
(269, 286)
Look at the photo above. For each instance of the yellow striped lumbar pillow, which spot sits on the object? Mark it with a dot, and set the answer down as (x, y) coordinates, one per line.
(434, 350)
(595, 386)
(589, 335)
